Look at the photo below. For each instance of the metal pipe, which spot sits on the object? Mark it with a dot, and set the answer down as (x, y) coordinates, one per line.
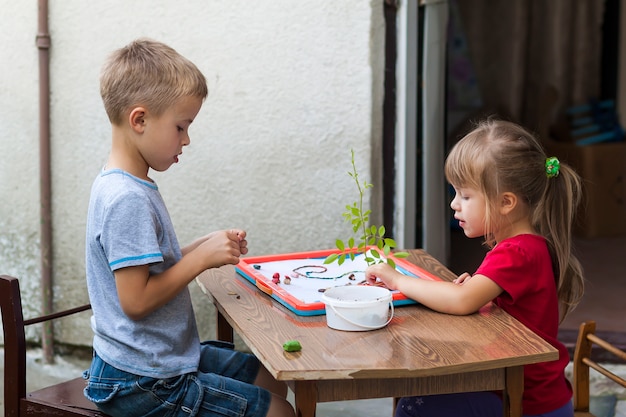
(45, 187)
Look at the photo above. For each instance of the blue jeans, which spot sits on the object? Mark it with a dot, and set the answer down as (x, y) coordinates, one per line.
(223, 386)
(471, 404)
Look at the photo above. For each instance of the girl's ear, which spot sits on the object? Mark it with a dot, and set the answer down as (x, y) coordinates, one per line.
(508, 202)
(136, 119)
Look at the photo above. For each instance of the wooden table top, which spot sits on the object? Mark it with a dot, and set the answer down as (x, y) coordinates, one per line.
(417, 342)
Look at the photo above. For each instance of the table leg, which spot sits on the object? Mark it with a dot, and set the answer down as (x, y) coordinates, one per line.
(513, 391)
(224, 329)
(305, 393)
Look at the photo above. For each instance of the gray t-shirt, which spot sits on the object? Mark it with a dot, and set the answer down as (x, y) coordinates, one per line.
(128, 225)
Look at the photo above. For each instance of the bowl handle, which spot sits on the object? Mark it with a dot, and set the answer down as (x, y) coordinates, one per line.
(364, 325)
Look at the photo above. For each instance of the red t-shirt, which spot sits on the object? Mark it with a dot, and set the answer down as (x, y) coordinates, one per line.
(522, 267)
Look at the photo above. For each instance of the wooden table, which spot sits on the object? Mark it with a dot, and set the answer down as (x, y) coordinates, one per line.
(420, 352)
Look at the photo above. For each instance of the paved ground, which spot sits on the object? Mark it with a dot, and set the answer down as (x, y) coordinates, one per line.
(609, 400)
(42, 375)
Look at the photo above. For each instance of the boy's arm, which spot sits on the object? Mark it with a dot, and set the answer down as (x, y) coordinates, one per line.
(141, 293)
(240, 233)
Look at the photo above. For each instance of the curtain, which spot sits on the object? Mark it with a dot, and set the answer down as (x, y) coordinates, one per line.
(521, 49)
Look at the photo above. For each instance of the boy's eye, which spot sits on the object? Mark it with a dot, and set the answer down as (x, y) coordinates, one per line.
(180, 129)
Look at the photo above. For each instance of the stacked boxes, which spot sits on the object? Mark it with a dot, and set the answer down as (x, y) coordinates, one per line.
(603, 169)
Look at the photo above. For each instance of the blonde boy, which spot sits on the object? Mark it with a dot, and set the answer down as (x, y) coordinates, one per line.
(148, 359)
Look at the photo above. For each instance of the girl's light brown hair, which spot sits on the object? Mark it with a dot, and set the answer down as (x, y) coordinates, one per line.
(499, 156)
(147, 73)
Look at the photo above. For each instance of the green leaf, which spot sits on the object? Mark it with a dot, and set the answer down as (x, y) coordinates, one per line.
(381, 231)
(340, 244)
(386, 250)
(401, 254)
(351, 242)
(375, 254)
(391, 263)
(341, 258)
(331, 258)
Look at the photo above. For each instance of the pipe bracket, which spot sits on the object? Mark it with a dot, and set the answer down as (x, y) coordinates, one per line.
(43, 41)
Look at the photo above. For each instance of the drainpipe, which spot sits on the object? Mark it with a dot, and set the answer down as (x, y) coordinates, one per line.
(43, 44)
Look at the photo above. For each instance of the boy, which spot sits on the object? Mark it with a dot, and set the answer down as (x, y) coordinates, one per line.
(148, 359)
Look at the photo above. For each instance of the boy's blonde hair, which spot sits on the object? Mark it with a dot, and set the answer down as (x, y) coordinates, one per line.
(499, 156)
(150, 74)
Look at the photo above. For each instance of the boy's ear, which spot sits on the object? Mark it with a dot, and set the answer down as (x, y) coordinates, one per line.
(508, 201)
(136, 119)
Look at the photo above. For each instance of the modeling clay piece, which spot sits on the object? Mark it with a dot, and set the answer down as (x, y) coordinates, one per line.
(292, 346)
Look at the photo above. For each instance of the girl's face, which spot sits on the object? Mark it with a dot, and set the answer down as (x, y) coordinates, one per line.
(469, 209)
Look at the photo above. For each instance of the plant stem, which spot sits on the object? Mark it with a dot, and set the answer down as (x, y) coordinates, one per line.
(361, 192)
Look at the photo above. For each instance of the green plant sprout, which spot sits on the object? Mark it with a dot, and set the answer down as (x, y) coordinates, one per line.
(372, 243)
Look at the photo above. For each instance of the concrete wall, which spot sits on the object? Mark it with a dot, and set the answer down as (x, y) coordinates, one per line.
(294, 85)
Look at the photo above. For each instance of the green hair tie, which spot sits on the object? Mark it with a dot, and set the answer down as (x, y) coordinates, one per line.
(552, 167)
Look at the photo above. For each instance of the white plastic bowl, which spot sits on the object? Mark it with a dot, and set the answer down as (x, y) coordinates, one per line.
(357, 307)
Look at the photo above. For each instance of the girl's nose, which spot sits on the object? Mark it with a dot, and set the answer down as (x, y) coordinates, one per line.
(454, 203)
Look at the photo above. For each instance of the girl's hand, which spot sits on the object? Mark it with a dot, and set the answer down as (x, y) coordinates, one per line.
(382, 272)
(462, 278)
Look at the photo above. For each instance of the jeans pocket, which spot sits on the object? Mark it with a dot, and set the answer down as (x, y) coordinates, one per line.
(221, 402)
(100, 393)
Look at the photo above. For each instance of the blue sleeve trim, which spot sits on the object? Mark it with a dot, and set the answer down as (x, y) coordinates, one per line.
(135, 258)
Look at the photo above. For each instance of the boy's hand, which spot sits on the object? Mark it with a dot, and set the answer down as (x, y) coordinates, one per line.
(243, 243)
(224, 247)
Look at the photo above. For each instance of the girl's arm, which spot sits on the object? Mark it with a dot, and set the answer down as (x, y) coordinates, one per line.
(141, 293)
(442, 296)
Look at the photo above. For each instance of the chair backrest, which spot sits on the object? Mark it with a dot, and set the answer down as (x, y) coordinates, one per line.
(14, 343)
(586, 342)
(13, 324)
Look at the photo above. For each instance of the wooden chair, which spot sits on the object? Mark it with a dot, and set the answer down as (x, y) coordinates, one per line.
(65, 399)
(588, 340)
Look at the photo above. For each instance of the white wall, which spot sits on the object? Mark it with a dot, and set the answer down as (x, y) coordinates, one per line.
(294, 85)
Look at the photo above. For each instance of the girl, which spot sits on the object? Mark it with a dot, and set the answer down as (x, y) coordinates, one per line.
(523, 204)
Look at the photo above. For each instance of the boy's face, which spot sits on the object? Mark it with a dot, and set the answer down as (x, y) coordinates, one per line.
(165, 136)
